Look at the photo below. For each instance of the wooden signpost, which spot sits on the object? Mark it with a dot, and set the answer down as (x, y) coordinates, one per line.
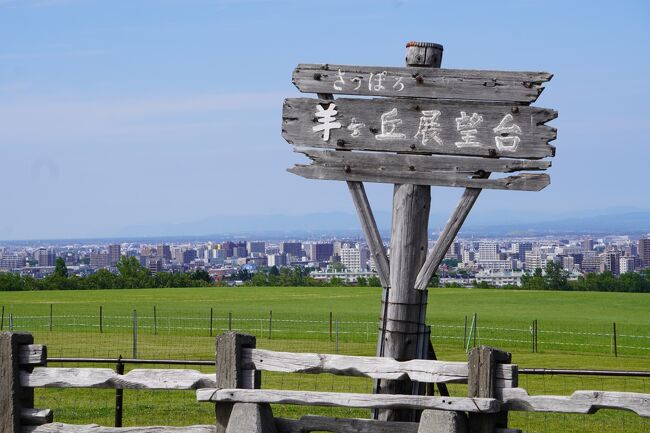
(426, 126)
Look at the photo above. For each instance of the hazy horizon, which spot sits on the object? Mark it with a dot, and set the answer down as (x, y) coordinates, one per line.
(118, 114)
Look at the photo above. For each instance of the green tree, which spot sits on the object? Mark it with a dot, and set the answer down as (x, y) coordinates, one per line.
(361, 281)
(374, 281)
(556, 277)
(133, 274)
(201, 275)
(60, 269)
(535, 281)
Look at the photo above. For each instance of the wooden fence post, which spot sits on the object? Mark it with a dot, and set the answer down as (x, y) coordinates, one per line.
(13, 397)
(230, 373)
(481, 382)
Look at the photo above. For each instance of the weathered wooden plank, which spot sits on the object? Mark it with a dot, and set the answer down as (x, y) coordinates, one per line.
(33, 416)
(586, 402)
(420, 126)
(419, 163)
(363, 366)
(32, 355)
(369, 225)
(45, 377)
(420, 370)
(311, 423)
(335, 399)
(519, 87)
(521, 182)
(58, 427)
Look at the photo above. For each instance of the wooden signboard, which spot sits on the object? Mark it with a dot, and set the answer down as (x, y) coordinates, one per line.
(422, 126)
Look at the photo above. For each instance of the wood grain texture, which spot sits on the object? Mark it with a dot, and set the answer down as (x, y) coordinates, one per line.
(32, 355)
(369, 225)
(299, 119)
(33, 416)
(334, 399)
(586, 402)
(230, 347)
(311, 423)
(94, 428)
(517, 87)
(45, 377)
(522, 182)
(362, 366)
(13, 397)
(419, 163)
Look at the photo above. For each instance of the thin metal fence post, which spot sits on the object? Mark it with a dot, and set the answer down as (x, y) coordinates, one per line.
(270, 323)
(50, 317)
(155, 321)
(614, 336)
(230, 321)
(119, 394)
(11, 322)
(337, 335)
(465, 333)
(135, 334)
(210, 321)
(101, 319)
(475, 328)
(330, 325)
(2, 319)
(532, 336)
(536, 336)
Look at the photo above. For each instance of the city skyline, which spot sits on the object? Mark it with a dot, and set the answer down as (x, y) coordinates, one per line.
(137, 114)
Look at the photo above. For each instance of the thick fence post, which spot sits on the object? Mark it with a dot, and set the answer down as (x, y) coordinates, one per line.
(481, 383)
(230, 373)
(13, 397)
(119, 394)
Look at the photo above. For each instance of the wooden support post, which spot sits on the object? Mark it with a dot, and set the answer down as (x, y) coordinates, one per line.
(230, 373)
(119, 394)
(13, 397)
(481, 382)
(403, 318)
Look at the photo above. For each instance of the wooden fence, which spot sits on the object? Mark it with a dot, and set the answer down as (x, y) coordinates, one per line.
(242, 407)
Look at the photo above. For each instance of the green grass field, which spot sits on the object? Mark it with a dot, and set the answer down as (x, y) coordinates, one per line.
(574, 332)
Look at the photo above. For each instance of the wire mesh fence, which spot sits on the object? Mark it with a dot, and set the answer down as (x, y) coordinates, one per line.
(150, 333)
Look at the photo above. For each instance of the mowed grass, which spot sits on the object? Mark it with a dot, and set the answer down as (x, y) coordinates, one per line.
(575, 332)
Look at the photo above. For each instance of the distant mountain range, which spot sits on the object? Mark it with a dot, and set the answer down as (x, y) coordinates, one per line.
(597, 222)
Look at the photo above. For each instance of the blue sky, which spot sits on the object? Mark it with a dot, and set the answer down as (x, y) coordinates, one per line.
(118, 113)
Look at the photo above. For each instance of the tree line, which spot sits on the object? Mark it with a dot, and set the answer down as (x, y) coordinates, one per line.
(554, 277)
(130, 275)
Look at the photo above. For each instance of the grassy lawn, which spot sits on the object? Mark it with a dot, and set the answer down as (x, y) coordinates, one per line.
(574, 332)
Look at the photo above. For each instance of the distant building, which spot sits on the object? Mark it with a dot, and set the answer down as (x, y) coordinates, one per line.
(627, 264)
(45, 257)
(355, 258)
(590, 262)
(9, 263)
(609, 262)
(644, 252)
(114, 254)
(454, 251)
(164, 252)
(155, 265)
(256, 247)
(500, 278)
(321, 252)
(291, 248)
(534, 260)
(188, 256)
(519, 249)
(277, 260)
(488, 251)
(99, 260)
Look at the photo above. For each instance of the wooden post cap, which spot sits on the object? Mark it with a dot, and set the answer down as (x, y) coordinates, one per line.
(423, 54)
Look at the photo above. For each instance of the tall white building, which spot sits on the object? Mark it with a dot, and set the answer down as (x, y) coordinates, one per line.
(488, 251)
(626, 264)
(354, 258)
